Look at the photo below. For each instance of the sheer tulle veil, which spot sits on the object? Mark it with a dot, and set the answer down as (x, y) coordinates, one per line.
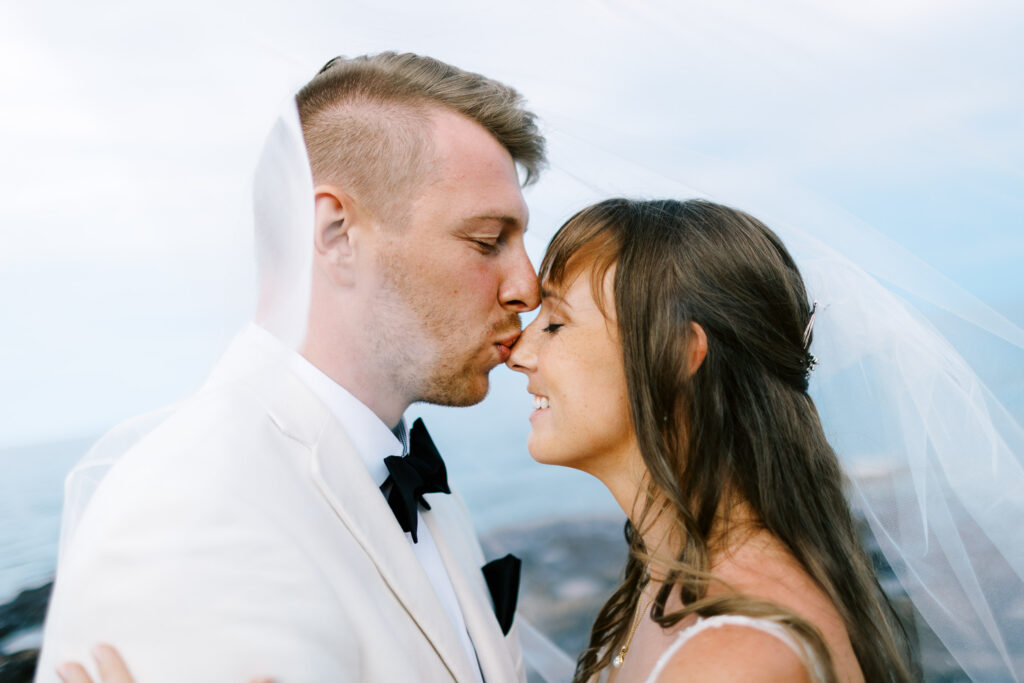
(906, 381)
(934, 458)
(281, 225)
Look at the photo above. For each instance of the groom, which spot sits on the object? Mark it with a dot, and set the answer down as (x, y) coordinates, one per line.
(248, 534)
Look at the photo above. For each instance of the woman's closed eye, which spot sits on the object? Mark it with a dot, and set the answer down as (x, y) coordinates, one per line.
(552, 328)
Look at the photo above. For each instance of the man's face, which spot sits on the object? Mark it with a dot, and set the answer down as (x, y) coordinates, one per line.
(454, 279)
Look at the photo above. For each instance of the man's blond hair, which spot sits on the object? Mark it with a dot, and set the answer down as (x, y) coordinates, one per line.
(366, 123)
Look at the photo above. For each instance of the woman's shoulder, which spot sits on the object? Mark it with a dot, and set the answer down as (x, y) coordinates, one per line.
(732, 648)
(764, 569)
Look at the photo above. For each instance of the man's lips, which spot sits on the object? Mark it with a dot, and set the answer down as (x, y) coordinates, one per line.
(504, 353)
(505, 344)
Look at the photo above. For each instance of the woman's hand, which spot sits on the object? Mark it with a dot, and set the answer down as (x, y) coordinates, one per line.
(112, 669)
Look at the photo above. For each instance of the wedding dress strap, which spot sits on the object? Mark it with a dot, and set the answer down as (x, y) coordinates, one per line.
(764, 625)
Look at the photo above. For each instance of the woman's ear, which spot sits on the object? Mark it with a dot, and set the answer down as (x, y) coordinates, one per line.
(335, 237)
(698, 348)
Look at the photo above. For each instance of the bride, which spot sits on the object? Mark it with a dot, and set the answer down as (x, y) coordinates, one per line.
(670, 359)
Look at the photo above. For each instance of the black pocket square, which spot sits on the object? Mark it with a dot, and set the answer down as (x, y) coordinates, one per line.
(502, 578)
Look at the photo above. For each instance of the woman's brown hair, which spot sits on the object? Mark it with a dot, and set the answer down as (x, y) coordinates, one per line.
(742, 428)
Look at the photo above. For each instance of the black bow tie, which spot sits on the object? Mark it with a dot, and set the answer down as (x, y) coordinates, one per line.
(421, 471)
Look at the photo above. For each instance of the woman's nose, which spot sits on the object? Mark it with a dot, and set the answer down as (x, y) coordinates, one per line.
(524, 354)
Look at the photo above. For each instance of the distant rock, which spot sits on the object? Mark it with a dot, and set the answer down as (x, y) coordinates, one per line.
(24, 613)
(19, 667)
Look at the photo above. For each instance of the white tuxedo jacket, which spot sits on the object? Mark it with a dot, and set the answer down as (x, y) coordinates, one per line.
(244, 537)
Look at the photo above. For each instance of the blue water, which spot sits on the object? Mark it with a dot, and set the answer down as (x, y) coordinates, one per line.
(484, 448)
(31, 491)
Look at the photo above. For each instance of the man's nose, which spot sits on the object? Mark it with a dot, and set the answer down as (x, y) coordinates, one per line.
(524, 354)
(519, 291)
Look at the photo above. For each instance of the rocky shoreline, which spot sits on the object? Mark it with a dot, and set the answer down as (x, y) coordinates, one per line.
(570, 566)
(22, 615)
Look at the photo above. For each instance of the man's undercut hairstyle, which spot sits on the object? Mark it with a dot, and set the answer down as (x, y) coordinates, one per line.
(366, 122)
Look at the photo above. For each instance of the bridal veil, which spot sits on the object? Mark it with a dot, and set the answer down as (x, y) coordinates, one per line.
(918, 383)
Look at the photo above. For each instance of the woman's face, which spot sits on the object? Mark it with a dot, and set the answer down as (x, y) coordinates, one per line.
(573, 359)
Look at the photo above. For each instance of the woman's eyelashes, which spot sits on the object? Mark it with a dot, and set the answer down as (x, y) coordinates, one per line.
(552, 328)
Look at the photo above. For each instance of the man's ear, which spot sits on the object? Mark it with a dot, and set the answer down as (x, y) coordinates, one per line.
(336, 233)
(698, 350)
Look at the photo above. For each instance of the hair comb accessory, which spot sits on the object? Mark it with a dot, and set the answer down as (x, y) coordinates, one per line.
(810, 325)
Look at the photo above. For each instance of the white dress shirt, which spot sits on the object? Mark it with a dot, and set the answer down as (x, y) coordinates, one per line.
(374, 441)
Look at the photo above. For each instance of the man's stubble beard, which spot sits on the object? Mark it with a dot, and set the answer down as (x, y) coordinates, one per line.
(422, 348)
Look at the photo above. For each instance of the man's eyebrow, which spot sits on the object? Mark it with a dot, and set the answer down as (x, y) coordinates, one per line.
(486, 218)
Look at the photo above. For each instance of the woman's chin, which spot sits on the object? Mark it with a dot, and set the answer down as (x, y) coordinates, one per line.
(535, 453)
(535, 446)
(547, 454)
(543, 460)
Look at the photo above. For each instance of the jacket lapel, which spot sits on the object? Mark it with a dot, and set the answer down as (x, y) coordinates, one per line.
(341, 477)
(343, 480)
(464, 562)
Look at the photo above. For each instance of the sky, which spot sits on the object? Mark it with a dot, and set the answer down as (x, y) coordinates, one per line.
(128, 134)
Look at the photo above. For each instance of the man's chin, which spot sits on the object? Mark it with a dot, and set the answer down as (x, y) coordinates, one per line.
(459, 394)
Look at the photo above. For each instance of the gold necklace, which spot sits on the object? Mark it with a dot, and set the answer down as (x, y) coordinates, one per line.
(620, 657)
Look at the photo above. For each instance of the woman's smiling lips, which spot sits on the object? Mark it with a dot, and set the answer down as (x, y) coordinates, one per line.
(540, 404)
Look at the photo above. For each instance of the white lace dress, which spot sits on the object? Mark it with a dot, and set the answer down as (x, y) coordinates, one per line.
(770, 627)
